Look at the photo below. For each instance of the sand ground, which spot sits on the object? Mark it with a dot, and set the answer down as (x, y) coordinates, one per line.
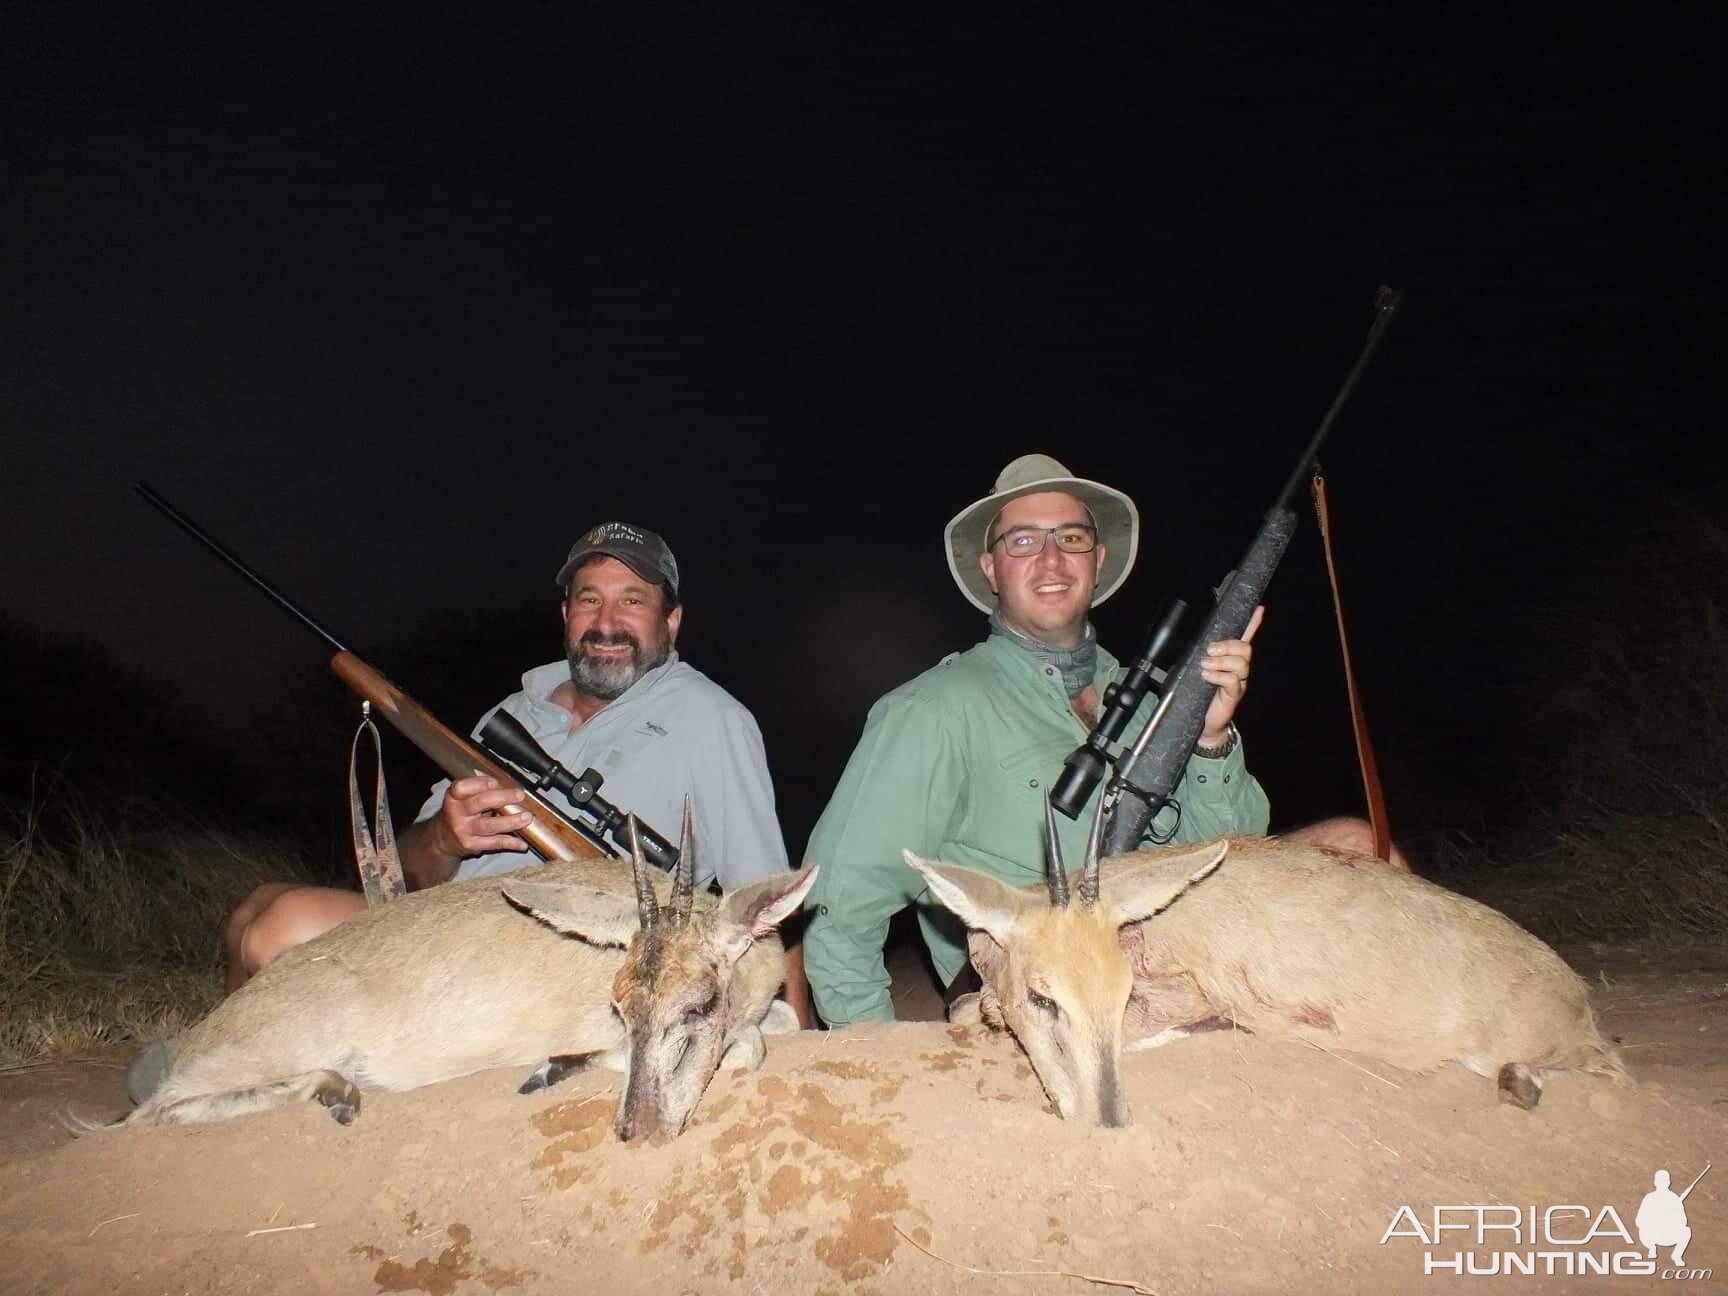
(909, 1158)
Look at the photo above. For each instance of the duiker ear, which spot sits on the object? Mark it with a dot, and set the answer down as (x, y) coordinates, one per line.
(1141, 890)
(597, 917)
(975, 898)
(751, 912)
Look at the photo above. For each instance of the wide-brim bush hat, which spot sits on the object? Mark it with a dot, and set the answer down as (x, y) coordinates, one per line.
(1117, 518)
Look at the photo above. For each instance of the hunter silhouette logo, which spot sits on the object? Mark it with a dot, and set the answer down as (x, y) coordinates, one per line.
(1569, 1239)
(1661, 1218)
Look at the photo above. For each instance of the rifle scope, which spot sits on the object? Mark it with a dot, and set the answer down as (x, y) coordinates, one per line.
(504, 736)
(1088, 762)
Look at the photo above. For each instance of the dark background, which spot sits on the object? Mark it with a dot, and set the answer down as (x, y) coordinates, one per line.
(398, 305)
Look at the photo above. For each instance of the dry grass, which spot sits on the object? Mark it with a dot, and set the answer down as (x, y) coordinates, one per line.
(1628, 829)
(1611, 875)
(110, 923)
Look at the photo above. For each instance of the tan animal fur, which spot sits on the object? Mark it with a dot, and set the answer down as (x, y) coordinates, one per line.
(462, 978)
(1293, 942)
(1056, 975)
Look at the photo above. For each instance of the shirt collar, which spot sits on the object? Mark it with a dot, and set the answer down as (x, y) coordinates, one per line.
(1009, 656)
(540, 683)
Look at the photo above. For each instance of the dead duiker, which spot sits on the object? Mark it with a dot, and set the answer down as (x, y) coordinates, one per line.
(459, 978)
(1287, 940)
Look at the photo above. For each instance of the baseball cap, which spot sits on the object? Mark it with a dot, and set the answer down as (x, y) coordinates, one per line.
(644, 552)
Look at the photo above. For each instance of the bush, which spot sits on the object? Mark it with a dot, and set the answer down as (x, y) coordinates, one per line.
(1627, 831)
(110, 923)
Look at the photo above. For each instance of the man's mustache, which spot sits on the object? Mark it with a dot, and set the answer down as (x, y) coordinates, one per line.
(617, 639)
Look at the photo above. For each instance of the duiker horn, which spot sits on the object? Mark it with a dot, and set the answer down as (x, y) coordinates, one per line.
(647, 907)
(1053, 859)
(1089, 870)
(684, 880)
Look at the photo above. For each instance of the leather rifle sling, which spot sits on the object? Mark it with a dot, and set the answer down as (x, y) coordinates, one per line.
(374, 848)
(1371, 788)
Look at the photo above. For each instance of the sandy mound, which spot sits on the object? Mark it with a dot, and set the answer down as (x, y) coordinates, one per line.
(852, 1156)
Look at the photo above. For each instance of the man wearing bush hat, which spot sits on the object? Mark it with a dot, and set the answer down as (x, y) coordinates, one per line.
(956, 763)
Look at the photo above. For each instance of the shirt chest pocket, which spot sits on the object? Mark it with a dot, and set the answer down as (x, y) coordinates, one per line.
(627, 748)
(1033, 768)
(1013, 806)
(1005, 812)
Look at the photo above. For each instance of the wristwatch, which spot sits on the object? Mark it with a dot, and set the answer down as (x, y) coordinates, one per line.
(1219, 753)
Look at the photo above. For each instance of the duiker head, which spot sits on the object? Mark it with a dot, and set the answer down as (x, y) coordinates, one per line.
(673, 992)
(1061, 978)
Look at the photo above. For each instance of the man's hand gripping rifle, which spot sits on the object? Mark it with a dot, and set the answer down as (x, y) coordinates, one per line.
(512, 757)
(1147, 773)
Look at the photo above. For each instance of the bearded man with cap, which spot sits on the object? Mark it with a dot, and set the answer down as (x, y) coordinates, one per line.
(955, 764)
(620, 701)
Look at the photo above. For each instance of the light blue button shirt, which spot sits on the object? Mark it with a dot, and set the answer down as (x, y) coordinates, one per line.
(672, 733)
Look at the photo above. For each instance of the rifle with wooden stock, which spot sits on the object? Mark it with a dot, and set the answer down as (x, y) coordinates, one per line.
(522, 763)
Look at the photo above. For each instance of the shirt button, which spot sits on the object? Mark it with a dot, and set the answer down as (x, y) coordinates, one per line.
(1049, 670)
(821, 909)
(1201, 777)
(1031, 782)
(1226, 778)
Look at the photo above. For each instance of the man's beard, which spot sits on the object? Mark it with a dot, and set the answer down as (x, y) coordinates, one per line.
(609, 678)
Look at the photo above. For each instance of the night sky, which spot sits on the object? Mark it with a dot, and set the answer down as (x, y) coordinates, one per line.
(399, 306)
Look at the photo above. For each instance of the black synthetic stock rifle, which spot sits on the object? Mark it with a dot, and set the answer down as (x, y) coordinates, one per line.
(1147, 773)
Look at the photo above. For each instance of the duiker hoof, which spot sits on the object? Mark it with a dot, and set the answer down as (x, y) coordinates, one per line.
(554, 1069)
(1520, 1086)
(781, 1019)
(147, 1072)
(341, 1099)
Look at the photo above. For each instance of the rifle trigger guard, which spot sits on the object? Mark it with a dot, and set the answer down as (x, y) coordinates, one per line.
(1121, 785)
(1113, 796)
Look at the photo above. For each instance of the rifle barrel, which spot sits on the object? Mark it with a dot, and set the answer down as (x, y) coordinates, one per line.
(1147, 774)
(1385, 306)
(192, 529)
(552, 833)
(1694, 1183)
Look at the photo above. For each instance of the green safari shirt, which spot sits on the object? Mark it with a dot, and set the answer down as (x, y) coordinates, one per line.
(954, 765)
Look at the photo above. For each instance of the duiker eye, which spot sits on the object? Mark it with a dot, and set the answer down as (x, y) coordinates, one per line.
(1043, 1003)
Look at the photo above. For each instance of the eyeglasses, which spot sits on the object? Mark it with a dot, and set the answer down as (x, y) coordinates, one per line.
(1028, 542)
